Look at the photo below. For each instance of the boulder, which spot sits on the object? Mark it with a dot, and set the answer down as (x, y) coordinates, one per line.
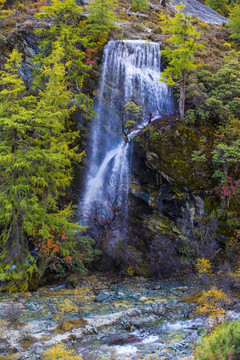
(101, 297)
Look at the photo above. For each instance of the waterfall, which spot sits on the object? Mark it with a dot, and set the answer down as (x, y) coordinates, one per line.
(130, 72)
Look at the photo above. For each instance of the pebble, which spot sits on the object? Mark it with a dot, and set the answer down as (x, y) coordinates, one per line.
(143, 299)
(101, 297)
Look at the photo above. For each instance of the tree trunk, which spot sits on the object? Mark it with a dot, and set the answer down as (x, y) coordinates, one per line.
(182, 97)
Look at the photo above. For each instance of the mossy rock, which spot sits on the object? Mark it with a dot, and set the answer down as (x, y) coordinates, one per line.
(143, 270)
(173, 337)
(172, 155)
(162, 225)
(193, 298)
(11, 357)
(68, 325)
(25, 344)
(45, 338)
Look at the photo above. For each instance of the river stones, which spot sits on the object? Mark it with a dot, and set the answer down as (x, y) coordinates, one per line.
(103, 296)
(122, 339)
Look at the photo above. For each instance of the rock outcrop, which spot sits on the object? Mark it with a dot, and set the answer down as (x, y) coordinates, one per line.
(203, 12)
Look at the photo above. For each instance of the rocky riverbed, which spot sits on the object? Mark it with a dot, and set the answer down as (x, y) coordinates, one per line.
(125, 318)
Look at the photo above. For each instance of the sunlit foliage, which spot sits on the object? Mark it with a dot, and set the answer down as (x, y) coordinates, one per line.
(222, 343)
(60, 351)
(182, 44)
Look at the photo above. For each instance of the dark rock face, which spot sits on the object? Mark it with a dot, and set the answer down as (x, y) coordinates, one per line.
(22, 37)
(164, 176)
(203, 12)
(167, 192)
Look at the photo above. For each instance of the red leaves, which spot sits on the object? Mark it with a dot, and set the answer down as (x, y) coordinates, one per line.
(89, 57)
(68, 259)
(229, 189)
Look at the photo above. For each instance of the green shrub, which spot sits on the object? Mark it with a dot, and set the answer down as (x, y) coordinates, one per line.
(218, 5)
(221, 344)
(140, 5)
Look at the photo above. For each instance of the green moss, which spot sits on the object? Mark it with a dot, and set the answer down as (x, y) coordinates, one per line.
(193, 298)
(211, 204)
(69, 325)
(11, 357)
(173, 155)
(162, 225)
(173, 337)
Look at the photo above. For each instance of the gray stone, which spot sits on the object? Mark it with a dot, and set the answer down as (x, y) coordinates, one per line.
(101, 297)
(203, 12)
(236, 306)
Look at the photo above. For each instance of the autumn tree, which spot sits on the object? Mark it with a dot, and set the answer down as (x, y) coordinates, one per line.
(182, 44)
(60, 351)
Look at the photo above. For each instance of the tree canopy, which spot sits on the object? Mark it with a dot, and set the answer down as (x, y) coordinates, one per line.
(182, 44)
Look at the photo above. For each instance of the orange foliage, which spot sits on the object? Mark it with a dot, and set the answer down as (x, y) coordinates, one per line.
(50, 247)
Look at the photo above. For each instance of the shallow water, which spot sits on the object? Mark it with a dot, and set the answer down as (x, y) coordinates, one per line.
(169, 336)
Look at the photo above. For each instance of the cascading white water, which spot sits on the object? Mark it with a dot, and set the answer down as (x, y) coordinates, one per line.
(130, 72)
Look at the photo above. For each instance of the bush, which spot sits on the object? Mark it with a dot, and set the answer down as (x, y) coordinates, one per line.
(211, 305)
(218, 5)
(222, 344)
(140, 5)
(58, 352)
(234, 24)
(12, 312)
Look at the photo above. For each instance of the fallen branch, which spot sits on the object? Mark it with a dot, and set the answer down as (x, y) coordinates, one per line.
(171, 7)
(154, 7)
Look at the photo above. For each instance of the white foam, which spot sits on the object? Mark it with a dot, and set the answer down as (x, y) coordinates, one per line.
(150, 339)
(126, 350)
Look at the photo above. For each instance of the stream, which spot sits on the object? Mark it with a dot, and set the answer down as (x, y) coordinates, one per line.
(126, 318)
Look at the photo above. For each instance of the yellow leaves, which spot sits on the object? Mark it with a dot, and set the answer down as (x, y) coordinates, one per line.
(228, 45)
(211, 305)
(72, 306)
(129, 271)
(82, 23)
(81, 295)
(3, 325)
(3, 12)
(204, 266)
(64, 308)
(60, 352)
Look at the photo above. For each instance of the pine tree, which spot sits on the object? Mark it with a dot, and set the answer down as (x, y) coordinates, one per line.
(140, 5)
(234, 23)
(221, 6)
(100, 21)
(66, 33)
(35, 160)
(180, 52)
